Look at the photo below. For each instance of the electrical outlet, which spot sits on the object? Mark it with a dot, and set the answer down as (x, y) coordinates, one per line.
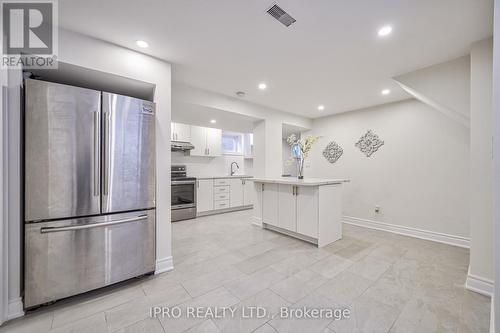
(377, 209)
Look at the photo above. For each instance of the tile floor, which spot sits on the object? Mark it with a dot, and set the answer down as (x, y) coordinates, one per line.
(389, 283)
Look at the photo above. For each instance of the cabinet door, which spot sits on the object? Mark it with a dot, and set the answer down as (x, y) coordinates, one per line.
(236, 192)
(183, 132)
(269, 204)
(214, 141)
(248, 145)
(287, 212)
(172, 132)
(248, 192)
(205, 195)
(307, 210)
(199, 141)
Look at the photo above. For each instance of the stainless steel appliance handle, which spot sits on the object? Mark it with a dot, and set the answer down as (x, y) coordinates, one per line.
(46, 230)
(96, 153)
(183, 206)
(105, 155)
(181, 182)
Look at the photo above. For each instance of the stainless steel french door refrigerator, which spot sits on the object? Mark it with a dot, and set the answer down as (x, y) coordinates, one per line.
(89, 190)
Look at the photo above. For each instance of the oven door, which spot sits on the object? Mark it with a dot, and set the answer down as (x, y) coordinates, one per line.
(183, 194)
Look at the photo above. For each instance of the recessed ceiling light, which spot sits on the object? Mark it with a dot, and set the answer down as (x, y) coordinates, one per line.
(386, 92)
(262, 86)
(385, 31)
(213, 121)
(142, 43)
(240, 93)
(321, 107)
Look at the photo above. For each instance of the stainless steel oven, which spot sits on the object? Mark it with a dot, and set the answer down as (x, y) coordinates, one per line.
(183, 194)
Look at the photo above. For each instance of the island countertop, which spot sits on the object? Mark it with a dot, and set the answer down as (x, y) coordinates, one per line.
(299, 182)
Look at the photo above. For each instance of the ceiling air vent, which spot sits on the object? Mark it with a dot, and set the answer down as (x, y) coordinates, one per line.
(278, 13)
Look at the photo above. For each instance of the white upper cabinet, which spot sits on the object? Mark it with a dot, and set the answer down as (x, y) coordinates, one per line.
(248, 145)
(206, 141)
(180, 132)
(214, 141)
(199, 141)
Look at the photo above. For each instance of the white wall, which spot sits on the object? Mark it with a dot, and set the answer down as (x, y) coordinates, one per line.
(12, 201)
(481, 161)
(199, 166)
(95, 54)
(419, 178)
(495, 318)
(447, 84)
(4, 286)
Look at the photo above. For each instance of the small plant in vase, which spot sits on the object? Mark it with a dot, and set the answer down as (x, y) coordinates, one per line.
(300, 150)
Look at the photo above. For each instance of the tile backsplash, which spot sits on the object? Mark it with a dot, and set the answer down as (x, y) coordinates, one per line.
(199, 166)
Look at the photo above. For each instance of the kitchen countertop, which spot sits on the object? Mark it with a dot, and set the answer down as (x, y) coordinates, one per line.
(300, 182)
(227, 176)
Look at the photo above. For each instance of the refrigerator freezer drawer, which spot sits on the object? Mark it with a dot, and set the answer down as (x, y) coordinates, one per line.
(69, 257)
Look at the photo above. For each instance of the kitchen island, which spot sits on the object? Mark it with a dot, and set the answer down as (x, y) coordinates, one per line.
(309, 209)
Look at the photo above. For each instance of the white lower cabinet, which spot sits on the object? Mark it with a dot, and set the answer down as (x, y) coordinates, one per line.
(307, 210)
(287, 207)
(236, 192)
(297, 208)
(205, 195)
(269, 204)
(223, 193)
(248, 192)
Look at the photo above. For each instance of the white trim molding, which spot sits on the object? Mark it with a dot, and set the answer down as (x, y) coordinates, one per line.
(492, 315)
(256, 221)
(408, 231)
(479, 284)
(164, 265)
(15, 308)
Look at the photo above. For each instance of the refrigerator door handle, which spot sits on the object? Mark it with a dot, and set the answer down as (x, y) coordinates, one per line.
(106, 153)
(96, 153)
(46, 230)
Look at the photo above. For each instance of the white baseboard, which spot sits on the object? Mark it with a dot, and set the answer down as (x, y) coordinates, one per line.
(492, 315)
(256, 221)
(479, 284)
(15, 308)
(164, 265)
(408, 231)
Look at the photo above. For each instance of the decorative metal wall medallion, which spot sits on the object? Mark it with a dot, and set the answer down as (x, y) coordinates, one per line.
(369, 143)
(332, 152)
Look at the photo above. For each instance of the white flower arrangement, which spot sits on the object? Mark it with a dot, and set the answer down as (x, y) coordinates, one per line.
(304, 145)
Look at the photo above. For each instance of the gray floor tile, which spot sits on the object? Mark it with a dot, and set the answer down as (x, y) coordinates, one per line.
(390, 282)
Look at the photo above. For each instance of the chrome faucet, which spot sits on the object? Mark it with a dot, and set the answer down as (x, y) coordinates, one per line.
(237, 166)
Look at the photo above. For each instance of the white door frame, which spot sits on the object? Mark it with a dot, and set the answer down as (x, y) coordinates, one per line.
(4, 297)
(495, 304)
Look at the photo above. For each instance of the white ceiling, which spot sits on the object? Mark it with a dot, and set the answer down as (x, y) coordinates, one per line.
(200, 115)
(331, 55)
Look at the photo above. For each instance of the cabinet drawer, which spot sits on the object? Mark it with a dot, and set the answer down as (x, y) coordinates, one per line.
(221, 182)
(221, 204)
(221, 189)
(221, 196)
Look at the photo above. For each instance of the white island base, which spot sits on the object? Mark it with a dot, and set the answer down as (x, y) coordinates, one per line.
(307, 209)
